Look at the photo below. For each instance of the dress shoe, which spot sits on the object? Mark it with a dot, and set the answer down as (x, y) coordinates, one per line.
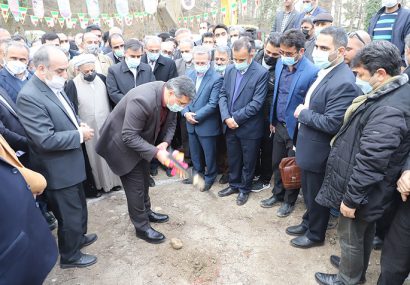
(304, 242)
(157, 218)
(150, 235)
(285, 210)
(224, 179)
(151, 182)
(327, 279)
(89, 239)
(270, 202)
(242, 198)
(296, 230)
(335, 260)
(116, 188)
(227, 191)
(377, 243)
(207, 187)
(187, 181)
(84, 261)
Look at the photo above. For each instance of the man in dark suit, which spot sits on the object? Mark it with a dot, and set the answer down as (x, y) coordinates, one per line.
(202, 118)
(55, 136)
(285, 19)
(320, 118)
(27, 248)
(240, 102)
(117, 46)
(129, 73)
(294, 75)
(310, 9)
(145, 115)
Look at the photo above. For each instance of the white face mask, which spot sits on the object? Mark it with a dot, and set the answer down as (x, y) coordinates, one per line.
(389, 3)
(16, 67)
(220, 42)
(56, 82)
(65, 47)
(187, 56)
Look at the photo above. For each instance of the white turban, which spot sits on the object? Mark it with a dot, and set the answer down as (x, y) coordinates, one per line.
(83, 59)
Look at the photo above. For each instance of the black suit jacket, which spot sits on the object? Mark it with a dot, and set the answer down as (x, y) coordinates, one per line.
(277, 24)
(324, 118)
(120, 79)
(54, 141)
(165, 68)
(28, 250)
(130, 131)
(10, 127)
(114, 59)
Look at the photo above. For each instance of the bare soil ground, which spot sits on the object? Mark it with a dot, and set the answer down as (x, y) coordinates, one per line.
(222, 243)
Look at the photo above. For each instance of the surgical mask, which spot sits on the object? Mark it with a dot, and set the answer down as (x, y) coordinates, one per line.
(307, 7)
(90, 77)
(201, 69)
(132, 62)
(119, 53)
(364, 85)
(220, 42)
(187, 56)
(321, 58)
(271, 61)
(289, 61)
(317, 31)
(166, 55)
(389, 3)
(16, 67)
(56, 82)
(220, 68)
(174, 107)
(92, 49)
(65, 47)
(241, 66)
(152, 56)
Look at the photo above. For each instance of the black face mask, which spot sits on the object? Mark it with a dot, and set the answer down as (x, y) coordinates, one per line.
(271, 61)
(306, 33)
(90, 77)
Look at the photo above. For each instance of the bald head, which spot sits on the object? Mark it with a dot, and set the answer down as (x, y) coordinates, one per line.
(356, 41)
(4, 35)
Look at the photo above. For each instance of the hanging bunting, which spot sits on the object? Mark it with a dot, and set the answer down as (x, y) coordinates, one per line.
(14, 9)
(128, 20)
(205, 16)
(22, 14)
(83, 23)
(188, 4)
(54, 15)
(96, 21)
(118, 18)
(5, 12)
(110, 22)
(38, 8)
(122, 7)
(64, 7)
(34, 20)
(150, 6)
(93, 8)
(214, 13)
(257, 3)
(198, 18)
(185, 21)
(234, 13)
(191, 20)
(61, 21)
(104, 17)
(244, 6)
(49, 21)
(71, 23)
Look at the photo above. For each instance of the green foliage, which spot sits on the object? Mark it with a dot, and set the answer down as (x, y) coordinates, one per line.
(371, 8)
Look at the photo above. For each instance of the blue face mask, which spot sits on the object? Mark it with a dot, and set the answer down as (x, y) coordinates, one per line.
(201, 69)
(321, 58)
(132, 62)
(174, 107)
(364, 85)
(152, 56)
(241, 66)
(289, 61)
(307, 7)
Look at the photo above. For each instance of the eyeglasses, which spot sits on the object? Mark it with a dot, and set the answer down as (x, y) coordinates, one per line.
(354, 34)
(288, 54)
(168, 52)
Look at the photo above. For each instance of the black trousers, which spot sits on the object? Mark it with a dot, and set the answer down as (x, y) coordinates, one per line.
(395, 259)
(70, 209)
(282, 146)
(221, 155)
(264, 162)
(136, 187)
(316, 216)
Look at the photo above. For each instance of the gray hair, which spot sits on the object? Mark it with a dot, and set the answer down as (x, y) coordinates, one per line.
(187, 40)
(338, 35)
(181, 31)
(237, 28)
(224, 49)
(201, 50)
(42, 55)
(407, 41)
(15, 44)
(182, 86)
(242, 43)
(149, 39)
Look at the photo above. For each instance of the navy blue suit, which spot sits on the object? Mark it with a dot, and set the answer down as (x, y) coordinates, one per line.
(28, 250)
(12, 84)
(203, 135)
(246, 109)
(318, 125)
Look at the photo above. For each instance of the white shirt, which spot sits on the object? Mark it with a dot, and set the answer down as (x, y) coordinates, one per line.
(152, 64)
(8, 105)
(198, 82)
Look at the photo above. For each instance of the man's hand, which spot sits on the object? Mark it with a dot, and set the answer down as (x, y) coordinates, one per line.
(272, 128)
(189, 116)
(88, 133)
(346, 211)
(298, 110)
(403, 185)
(162, 156)
(163, 146)
(231, 123)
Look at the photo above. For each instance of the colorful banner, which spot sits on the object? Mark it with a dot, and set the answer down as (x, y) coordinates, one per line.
(64, 7)
(93, 8)
(54, 15)
(118, 18)
(83, 23)
(5, 11)
(244, 6)
(110, 22)
(49, 21)
(128, 20)
(61, 21)
(71, 23)
(122, 7)
(38, 8)
(234, 13)
(34, 20)
(206, 17)
(22, 14)
(14, 9)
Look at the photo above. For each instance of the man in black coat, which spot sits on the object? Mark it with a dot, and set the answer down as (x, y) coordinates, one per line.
(320, 118)
(367, 157)
(129, 73)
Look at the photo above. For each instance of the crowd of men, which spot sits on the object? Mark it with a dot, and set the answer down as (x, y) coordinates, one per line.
(98, 112)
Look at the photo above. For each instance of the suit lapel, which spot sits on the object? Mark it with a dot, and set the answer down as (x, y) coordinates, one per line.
(202, 85)
(11, 106)
(245, 80)
(291, 17)
(295, 80)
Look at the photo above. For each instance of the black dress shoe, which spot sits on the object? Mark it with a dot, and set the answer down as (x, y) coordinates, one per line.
(327, 279)
(151, 182)
(377, 243)
(89, 239)
(304, 242)
(157, 218)
(296, 230)
(335, 261)
(285, 210)
(84, 261)
(150, 235)
(224, 179)
(207, 187)
(242, 198)
(116, 188)
(227, 191)
(270, 202)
